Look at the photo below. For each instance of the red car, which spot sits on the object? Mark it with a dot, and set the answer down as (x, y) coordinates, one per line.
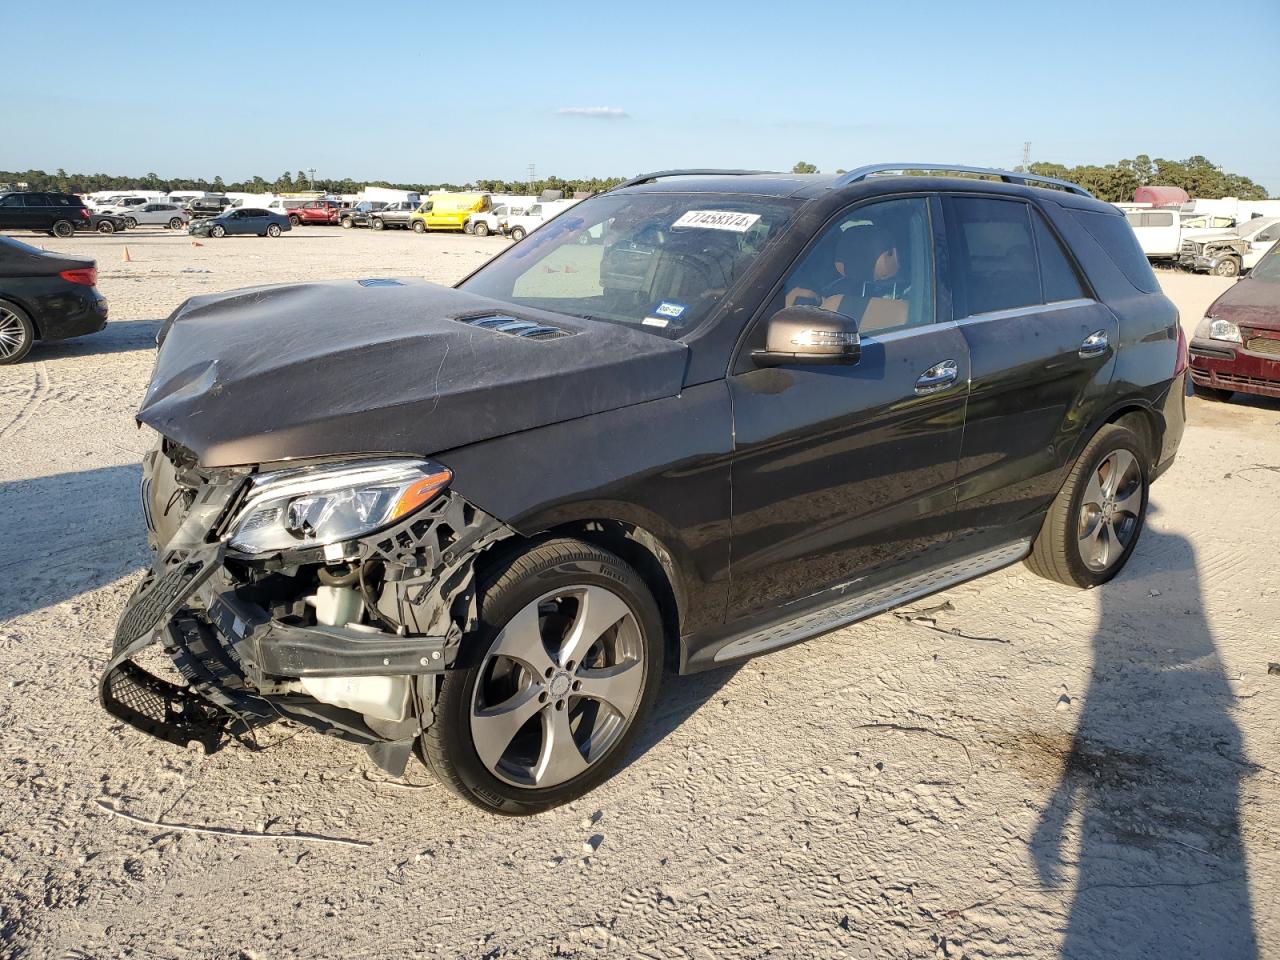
(1237, 345)
(315, 211)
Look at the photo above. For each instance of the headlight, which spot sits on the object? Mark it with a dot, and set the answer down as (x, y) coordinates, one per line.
(1215, 329)
(314, 506)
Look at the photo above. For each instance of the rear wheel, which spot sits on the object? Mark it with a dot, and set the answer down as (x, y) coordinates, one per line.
(550, 691)
(1097, 517)
(175, 223)
(217, 230)
(273, 230)
(131, 222)
(294, 220)
(468, 227)
(64, 229)
(1212, 393)
(517, 234)
(419, 226)
(481, 229)
(17, 333)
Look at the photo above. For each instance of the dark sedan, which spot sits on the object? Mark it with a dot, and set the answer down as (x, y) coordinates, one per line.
(247, 220)
(1237, 345)
(105, 223)
(45, 296)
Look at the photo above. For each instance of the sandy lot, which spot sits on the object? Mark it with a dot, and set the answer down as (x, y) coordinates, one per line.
(1030, 772)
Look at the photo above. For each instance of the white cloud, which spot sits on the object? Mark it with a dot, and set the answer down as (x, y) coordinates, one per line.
(594, 113)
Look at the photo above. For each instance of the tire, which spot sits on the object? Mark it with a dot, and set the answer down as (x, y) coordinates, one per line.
(273, 230)
(63, 229)
(294, 220)
(546, 589)
(1212, 393)
(468, 227)
(481, 229)
(175, 223)
(17, 333)
(1227, 267)
(517, 234)
(419, 227)
(218, 231)
(1110, 479)
(131, 223)
(106, 226)
(345, 223)
(377, 223)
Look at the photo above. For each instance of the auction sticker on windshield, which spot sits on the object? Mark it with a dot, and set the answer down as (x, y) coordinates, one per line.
(718, 220)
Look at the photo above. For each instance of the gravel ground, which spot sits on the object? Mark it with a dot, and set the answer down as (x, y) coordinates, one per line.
(1027, 771)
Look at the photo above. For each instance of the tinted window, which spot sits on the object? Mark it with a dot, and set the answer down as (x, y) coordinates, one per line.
(994, 255)
(37, 199)
(1163, 219)
(11, 200)
(873, 265)
(1116, 237)
(1058, 275)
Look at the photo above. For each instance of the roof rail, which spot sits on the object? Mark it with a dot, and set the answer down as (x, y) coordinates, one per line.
(1008, 176)
(645, 177)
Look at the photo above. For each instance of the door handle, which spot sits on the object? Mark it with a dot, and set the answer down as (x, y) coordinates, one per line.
(938, 377)
(1095, 344)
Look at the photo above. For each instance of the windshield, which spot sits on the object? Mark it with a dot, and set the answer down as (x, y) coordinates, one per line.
(1268, 268)
(1256, 226)
(661, 261)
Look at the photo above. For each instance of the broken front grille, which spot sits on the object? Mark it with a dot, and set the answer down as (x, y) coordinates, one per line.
(1268, 345)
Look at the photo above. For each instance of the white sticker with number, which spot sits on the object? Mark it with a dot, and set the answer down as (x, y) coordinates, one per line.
(718, 220)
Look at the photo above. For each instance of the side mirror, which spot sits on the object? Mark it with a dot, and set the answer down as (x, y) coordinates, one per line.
(809, 335)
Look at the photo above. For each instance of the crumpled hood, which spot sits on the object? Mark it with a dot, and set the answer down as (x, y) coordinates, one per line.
(1249, 303)
(322, 369)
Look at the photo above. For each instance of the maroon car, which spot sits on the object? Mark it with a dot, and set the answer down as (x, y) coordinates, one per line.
(315, 211)
(1237, 345)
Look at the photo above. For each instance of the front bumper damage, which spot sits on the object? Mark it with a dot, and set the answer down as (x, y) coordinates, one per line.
(249, 660)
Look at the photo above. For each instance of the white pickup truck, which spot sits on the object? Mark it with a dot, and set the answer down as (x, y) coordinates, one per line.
(1228, 253)
(491, 221)
(517, 227)
(1162, 230)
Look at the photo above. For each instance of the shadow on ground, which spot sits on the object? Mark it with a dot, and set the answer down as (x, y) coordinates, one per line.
(120, 336)
(1153, 777)
(68, 534)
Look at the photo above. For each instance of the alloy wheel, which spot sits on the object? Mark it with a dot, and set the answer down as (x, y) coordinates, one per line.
(558, 687)
(1110, 510)
(13, 334)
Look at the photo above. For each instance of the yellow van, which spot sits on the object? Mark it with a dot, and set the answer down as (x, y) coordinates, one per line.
(447, 211)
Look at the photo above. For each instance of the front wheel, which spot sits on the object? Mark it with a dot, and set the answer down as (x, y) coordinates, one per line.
(63, 229)
(419, 227)
(106, 226)
(517, 234)
(1227, 267)
(549, 693)
(377, 224)
(481, 229)
(345, 223)
(131, 222)
(468, 227)
(273, 230)
(1095, 521)
(217, 231)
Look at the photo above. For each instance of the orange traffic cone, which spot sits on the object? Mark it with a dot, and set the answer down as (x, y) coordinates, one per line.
(195, 244)
(126, 258)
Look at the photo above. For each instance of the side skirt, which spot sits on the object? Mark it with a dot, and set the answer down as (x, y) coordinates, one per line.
(849, 610)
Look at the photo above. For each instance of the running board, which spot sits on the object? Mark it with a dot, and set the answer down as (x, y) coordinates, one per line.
(859, 607)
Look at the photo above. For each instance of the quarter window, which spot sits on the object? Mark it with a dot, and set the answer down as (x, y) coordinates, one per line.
(873, 265)
(1057, 275)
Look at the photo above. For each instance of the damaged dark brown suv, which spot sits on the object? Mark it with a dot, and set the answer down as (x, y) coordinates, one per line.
(700, 417)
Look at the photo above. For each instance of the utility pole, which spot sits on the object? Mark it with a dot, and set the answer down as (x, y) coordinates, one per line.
(311, 177)
(1026, 156)
(532, 177)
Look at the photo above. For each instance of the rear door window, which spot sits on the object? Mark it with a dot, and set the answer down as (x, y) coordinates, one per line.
(994, 255)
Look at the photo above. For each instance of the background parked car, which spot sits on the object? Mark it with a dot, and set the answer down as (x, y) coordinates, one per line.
(125, 204)
(57, 213)
(1228, 253)
(393, 215)
(358, 216)
(315, 211)
(486, 222)
(1237, 345)
(207, 206)
(284, 206)
(45, 296)
(519, 226)
(244, 220)
(105, 223)
(166, 214)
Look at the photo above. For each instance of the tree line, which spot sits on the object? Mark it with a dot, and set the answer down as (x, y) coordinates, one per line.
(81, 183)
(1116, 182)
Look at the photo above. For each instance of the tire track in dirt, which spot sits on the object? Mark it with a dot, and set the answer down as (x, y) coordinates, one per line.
(40, 388)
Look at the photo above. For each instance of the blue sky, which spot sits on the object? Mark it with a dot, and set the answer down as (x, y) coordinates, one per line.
(426, 92)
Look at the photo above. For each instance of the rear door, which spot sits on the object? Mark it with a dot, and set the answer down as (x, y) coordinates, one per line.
(842, 473)
(1043, 353)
